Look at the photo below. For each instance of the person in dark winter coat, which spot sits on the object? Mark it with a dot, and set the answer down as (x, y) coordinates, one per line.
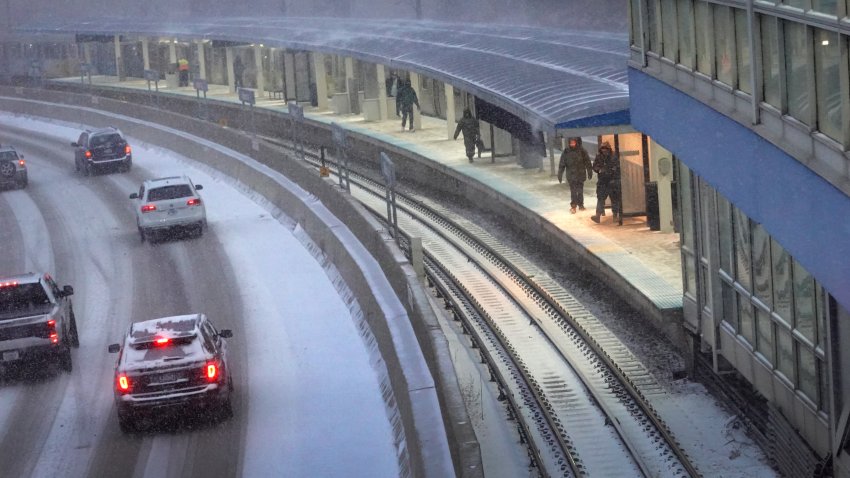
(607, 167)
(471, 133)
(238, 70)
(404, 103)
(576, 163)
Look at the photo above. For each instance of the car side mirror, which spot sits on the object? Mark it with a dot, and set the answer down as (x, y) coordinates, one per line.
(225, 333)
(74, 144)
(67, 290)
(114, 348)
(134, 196)
(198, 187)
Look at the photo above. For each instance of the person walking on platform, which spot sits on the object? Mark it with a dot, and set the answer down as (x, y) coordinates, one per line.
(404, 103)
(607, 167)
(238, 70)
(183, 70)
(471, 133)
(576, 163)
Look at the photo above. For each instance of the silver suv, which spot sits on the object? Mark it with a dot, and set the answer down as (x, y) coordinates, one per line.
(102, 148)
(13, 168)
(36, 320)
(176, 363)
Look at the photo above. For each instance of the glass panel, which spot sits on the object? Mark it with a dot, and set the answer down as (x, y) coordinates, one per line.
(652, 25)
(730, 312)
(635, 17)
(828, 84)
(795, 3)
(686, 33)
(745, 315)
(821, 314)
(764, 343)
(808, 383)
(743, 273)
(797, 71)
(825, 6)
(823, 380)
(704, 36)
(668, 29)
(782, 286)
(761, 264)
(724, 233)
(804, 302)
(690, 274)
(724, 44)
(744, 57)
(785, 349)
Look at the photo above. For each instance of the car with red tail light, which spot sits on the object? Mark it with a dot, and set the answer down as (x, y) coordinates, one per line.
(36, 320)
(13, 168)
(102, 148)
(168, 205)
(172, 365)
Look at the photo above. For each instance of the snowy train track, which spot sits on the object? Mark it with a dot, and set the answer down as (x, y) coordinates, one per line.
(582, 400)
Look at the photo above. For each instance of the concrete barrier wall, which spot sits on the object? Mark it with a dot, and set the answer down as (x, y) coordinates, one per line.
(428, 399)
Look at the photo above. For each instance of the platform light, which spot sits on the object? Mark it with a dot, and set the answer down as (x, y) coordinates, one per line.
(825, 42)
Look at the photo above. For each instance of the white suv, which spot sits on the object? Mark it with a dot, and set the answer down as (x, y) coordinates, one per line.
(169, 204)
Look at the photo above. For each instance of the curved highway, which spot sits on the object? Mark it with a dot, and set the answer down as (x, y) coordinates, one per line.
(307, 400)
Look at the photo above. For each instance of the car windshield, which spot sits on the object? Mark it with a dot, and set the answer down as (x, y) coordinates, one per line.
(103, 139)
(175, 191)
(23, 297)
(8, 155)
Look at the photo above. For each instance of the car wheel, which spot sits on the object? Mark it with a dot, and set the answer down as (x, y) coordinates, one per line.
(128, 165)
(126, 423)
(226, 410)
(199, 230)
(65, 362)
(76, 166)
(75, 337)
(87, 169)
(142, 234)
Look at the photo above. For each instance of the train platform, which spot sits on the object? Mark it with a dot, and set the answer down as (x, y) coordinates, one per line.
(648, 260)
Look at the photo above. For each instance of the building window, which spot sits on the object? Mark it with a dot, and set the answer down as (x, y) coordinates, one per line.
(669, 29)
(804, 303)
(782, 286)
(808, 370)
(828, 83)
(745, 316)
(686, 33)
(798, 66)
(745, 59)
(785, 353)
(761, 265)
(801, 4)
(688, 239)
(764, 341)
(703, 30)
(743, 262)
(635, 17)
(771, 60)
(652, 25)
(730, 309)
(724, 45)
(830, 7)
(724, 235)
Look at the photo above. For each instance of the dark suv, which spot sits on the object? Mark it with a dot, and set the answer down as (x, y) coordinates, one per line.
(36, 320)
(13, 169)
(102, 148)
(174, 363)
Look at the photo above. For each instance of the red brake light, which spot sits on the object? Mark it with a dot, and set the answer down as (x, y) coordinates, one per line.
(123, 383)
(212, 371)
(194, 202)
(22, 162)
(11, 283)
(51, 323)
(149, 207)
(54, 338)
(88, 154)
(162, 340)
(127, 149)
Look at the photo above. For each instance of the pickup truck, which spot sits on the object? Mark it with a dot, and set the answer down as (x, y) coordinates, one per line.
(36, 320)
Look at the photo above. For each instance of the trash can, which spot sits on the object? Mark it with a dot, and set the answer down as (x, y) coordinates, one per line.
(653, 214)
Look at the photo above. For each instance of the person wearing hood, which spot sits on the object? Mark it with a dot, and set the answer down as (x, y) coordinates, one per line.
(576, 163)
(404, 103)
(468, 124)
(607, 167)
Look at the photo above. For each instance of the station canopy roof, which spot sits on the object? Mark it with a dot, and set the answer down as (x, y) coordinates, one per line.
(550, 78)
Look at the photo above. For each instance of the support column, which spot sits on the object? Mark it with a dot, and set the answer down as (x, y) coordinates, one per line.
(146, 55)
(172, 52)
(417, 118)
(119, 66)
(450, 111)
(382, 90)
(349, 73)
(87, 52)
(321, 80)
(289, 74)
(202, 61)
(549, 139)
(258, 61)
(661, 167)
(228, 57)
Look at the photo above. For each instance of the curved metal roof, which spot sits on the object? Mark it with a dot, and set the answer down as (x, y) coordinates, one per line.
(548, 77)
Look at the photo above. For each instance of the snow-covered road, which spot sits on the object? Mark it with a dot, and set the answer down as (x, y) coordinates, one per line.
(307, 402)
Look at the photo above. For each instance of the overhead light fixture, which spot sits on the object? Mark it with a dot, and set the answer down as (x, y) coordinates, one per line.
(825, 42)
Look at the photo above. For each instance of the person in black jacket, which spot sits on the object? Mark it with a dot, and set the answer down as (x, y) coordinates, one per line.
(471, 133)
(607, 167)
(576, 163)
(404, 103)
